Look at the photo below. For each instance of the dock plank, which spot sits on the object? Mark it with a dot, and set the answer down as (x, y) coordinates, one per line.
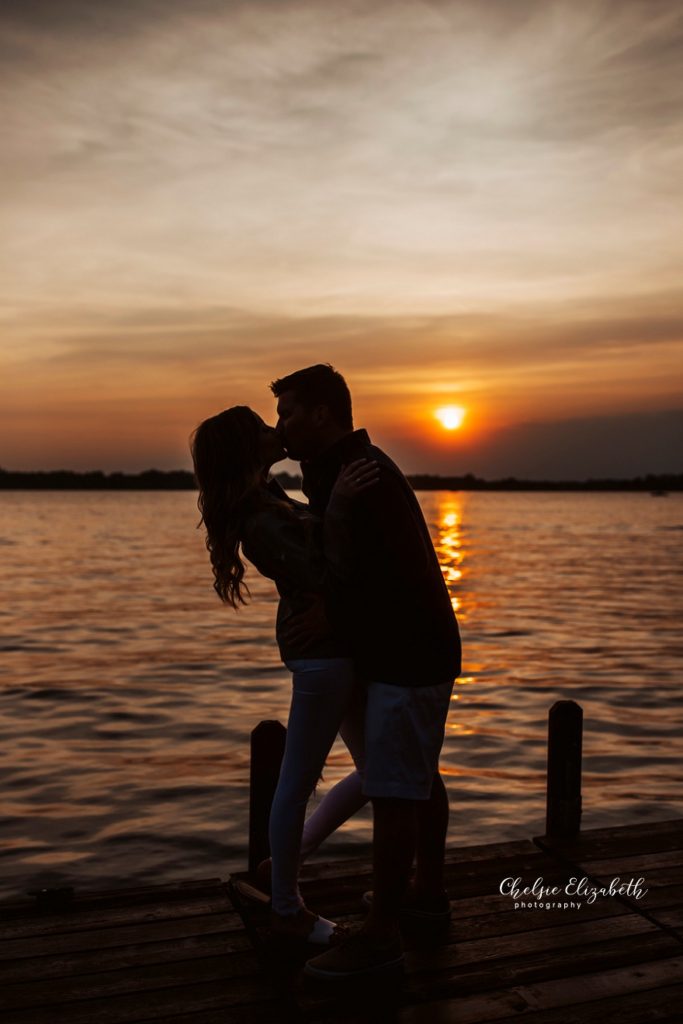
(566, 993)
(237, 1002)
(111, 897)
(105, 937)
(78, 919)
(648, 837)
(541, 965)
(633, 1008)
(239, 967)
(85, 962)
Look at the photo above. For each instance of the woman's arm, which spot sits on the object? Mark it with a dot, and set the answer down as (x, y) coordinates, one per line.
(338, 532)
(292, 546)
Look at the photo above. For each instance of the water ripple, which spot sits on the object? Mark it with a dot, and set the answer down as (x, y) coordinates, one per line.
(129, 695)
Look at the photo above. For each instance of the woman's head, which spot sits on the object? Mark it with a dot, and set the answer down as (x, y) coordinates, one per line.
(234, 446)
(230, 452)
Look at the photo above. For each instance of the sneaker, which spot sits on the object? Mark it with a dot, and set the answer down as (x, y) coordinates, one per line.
(304, 926)
(436, 909)
(354, 956)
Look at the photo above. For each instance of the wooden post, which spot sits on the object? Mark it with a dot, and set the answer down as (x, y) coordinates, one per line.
(563, 807)
(267, 748)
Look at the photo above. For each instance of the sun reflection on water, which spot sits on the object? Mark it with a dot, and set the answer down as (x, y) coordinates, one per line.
(448, 541)
(448, 544)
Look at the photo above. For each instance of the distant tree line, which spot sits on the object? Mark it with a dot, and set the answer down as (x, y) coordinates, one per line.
(182, 480)
(96, 480)
(651, 482)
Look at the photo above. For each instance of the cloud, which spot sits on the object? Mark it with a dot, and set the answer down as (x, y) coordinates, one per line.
(388, 151)
(615, 326)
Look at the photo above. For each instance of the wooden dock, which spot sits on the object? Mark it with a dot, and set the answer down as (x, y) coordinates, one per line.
(179, 954)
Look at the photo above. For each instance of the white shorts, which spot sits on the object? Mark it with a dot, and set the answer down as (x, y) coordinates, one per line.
(404, 732)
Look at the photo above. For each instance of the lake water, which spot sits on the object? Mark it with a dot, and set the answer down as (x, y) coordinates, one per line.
(128, 691)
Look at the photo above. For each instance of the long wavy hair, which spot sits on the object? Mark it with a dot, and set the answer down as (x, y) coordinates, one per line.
(228, 470)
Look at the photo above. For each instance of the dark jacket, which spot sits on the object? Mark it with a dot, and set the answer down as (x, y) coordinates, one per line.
(390, 598)
(289, 545)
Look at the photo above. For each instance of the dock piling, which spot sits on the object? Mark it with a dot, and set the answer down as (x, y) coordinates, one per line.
(563, 802)
(267, 749)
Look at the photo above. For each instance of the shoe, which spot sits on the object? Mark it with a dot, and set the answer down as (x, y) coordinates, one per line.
(436, 910)
(299, 927)
(263, 874)
(248, 895)
(356, 955)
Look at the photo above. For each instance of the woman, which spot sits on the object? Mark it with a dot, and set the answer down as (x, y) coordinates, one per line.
(233, 453)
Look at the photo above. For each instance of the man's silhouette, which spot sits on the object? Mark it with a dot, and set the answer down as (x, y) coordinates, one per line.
(394, 609)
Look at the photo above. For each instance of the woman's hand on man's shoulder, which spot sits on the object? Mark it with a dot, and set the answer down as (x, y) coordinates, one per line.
(354, 478)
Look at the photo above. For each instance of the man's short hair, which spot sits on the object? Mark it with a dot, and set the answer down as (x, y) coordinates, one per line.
(319, 385)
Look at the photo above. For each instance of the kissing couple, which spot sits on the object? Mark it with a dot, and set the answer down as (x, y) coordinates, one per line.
(366, 626)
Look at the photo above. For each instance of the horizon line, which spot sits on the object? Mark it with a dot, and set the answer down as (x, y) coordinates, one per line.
(183, 479)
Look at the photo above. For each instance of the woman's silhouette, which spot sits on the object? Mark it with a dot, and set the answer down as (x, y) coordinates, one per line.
(232, 454)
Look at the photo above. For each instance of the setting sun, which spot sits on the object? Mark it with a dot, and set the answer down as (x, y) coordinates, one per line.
(450, 416)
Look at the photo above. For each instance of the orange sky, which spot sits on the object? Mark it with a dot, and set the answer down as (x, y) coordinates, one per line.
(454, 203)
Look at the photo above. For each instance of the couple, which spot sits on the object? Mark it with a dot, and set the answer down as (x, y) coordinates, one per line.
(366, 626)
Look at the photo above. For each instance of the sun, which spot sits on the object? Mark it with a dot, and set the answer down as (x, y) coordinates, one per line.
(450, 416)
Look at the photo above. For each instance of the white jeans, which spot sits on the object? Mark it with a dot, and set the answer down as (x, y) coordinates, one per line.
(326, 699)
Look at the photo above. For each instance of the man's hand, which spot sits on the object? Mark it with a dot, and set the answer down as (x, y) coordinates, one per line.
(302, 629)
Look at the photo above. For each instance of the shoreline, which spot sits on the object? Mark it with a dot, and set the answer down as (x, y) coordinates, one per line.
(658, 485)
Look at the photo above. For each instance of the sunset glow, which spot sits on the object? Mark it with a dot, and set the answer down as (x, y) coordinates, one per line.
(445, 200)
(450, 416)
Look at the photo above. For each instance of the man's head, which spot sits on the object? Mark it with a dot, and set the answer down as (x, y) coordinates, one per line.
(314, 410)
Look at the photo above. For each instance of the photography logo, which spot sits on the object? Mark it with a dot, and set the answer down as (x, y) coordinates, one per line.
(570, 896)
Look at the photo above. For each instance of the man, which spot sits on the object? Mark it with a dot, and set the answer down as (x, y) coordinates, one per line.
(394, 609)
